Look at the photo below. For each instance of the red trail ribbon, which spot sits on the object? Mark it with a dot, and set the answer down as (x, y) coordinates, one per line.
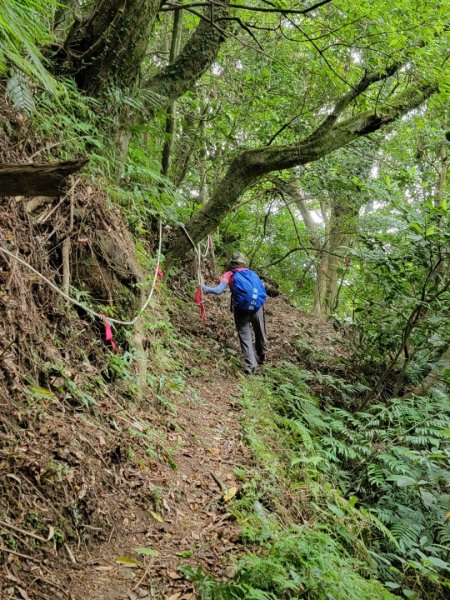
(198, 299)
(109, 335)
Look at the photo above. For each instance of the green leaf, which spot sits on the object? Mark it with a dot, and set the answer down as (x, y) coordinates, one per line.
(392, 585)
(146, 551)
(416, 227)
(437, 562)
(336, 510)
(402, 480)
(427, 498)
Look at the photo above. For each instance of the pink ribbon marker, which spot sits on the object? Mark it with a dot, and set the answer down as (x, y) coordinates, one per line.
(109, 335)
(198, 299)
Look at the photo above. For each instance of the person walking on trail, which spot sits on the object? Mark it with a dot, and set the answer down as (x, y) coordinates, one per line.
(247, 304)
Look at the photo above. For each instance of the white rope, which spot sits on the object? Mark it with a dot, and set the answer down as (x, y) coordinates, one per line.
(208, 246)
(77, 303)
(198, 255)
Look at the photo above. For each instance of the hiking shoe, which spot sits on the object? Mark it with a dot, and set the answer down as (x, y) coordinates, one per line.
(250, 370)
(261, 359)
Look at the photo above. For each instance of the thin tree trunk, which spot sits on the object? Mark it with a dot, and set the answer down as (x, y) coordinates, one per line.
(342, 225)
(171, 110)
(67, 246)
(202, 159)
(320, 289)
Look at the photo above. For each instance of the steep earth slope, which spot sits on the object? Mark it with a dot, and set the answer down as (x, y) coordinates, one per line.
(104, 497)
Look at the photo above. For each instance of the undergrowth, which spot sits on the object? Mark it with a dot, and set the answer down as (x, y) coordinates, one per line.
(342, 505)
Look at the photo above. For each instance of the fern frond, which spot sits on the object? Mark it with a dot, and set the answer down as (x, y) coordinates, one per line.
(22, 28)
(19, 93)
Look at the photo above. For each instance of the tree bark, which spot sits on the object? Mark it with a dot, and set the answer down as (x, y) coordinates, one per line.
(251, 165)
(171, 110)
(196, 56)
(106, 48)
(37, 179)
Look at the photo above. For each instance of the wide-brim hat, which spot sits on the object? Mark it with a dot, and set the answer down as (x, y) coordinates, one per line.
(237, 260)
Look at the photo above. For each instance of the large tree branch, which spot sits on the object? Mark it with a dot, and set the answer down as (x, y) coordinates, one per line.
(197, 55)
(251, 165)
(106, 47)
(356, 90)
(280, 11)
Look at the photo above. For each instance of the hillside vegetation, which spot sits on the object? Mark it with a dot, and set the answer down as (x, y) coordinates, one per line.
(141, 143)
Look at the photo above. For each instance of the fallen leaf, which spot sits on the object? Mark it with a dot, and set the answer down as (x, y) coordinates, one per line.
(174, 596)
(128, 562)
(23, 593)
(229, 494)
(12, 476)
(156, 516)
(174, 575)
(104, 568)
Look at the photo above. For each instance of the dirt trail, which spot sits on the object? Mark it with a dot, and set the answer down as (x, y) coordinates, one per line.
(196, 527)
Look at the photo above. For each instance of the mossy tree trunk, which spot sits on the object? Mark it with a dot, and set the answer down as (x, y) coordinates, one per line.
(341, 231)
(107, 47)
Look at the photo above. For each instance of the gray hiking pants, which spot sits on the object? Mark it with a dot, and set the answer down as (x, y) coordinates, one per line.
(244, 322)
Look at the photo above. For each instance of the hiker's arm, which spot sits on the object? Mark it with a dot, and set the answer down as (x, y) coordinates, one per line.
(217, 290)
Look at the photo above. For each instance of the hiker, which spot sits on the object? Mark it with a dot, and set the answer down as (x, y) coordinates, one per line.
(247, 304)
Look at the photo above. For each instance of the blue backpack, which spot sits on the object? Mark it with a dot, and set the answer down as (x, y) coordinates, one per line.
(248, 293)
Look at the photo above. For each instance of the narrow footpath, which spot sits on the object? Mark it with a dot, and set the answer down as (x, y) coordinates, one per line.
(187, 521)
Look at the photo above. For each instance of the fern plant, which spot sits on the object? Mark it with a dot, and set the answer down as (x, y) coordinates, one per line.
(23, 28)
(390, 460)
